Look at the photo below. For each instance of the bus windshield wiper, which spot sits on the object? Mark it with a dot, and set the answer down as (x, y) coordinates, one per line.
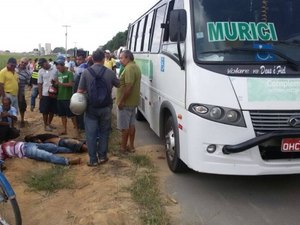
(294, 42)
(291, 62)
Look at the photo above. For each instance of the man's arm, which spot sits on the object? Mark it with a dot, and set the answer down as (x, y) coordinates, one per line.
(2, 93)
(40, 85)
(127, 91)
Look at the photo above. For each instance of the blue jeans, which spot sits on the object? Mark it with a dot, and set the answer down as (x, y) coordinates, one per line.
(45, 152)
(97, 123)
(34, 94)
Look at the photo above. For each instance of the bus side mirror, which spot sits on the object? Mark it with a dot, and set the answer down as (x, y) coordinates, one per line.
(178, 25)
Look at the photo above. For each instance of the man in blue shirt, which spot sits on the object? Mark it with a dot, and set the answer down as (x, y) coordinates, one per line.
(8, 118)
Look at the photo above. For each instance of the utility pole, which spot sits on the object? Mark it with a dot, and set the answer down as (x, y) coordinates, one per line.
(66, 44)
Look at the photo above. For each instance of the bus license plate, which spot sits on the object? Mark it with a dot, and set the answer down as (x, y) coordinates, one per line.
(290, 145)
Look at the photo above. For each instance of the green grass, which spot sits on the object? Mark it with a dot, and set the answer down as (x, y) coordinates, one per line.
(141, 161)
(146, 193)
(50, 180)
(5, 56)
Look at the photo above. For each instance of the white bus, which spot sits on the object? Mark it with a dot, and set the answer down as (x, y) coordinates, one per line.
(221, 83)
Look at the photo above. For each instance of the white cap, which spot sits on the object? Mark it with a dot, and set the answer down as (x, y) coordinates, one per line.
(107, 51)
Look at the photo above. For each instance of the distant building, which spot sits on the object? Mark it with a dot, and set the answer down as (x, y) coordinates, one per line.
(48, 49)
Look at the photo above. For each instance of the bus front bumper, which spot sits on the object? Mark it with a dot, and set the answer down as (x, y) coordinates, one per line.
(244, 146)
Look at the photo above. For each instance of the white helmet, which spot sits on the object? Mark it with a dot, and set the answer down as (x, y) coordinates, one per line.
(78, 103)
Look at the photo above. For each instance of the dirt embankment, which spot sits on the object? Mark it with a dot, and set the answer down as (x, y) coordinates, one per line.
(100, 195)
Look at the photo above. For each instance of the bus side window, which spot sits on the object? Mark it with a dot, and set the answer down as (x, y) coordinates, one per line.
(133, 37)
(130, 29)
(148, 28)
(140, 35)
(168, 46)
(159, 19)
(166, 30)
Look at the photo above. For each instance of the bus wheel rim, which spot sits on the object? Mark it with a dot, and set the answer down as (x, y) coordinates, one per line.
(170, 145)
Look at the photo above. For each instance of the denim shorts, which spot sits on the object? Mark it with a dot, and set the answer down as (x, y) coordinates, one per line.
(126, 117)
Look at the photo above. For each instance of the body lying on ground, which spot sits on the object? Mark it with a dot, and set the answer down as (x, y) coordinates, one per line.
(70, 143)
(38, 151)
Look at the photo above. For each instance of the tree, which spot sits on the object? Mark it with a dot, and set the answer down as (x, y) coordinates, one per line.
(59, 50)
(117, 41)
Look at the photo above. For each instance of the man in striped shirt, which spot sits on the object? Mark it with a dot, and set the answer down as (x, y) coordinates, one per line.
(41, 152)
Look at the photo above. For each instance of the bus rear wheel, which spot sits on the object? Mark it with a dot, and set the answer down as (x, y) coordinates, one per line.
(172, 147)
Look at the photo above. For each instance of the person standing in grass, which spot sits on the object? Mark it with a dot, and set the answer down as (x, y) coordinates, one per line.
(24, 78)
(128, 96)
(65, 83)
(9, 80)
(97, 119)
(47, 74)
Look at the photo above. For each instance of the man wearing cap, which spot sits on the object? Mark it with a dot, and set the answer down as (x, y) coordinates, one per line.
(9, 80)
(47, 75)
(65, 83)
(70, 64)
(109, 62)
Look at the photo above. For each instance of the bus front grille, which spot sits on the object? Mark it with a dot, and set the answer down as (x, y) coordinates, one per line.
(268, 121)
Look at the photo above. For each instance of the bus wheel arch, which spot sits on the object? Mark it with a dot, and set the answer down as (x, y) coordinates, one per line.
(170, 134)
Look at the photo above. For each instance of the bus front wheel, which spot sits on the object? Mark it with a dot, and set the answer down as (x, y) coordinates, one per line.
(172, 147)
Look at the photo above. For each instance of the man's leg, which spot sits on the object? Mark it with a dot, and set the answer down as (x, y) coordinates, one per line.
(50, 118)
(34, 94)
(33, 152)
(131, 137)
(91, 131)
(64, 123)
(125, 135)
(104, 131)
(75, 124)
(45, 119)
(132, 129)
(53, 148)
(123, 120)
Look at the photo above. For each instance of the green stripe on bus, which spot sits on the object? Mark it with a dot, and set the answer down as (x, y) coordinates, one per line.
(146, 67)
(277, 89)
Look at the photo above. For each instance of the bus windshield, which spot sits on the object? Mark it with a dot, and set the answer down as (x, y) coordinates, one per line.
(231, 30)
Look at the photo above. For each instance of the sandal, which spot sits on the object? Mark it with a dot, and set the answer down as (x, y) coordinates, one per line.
(92, 164)
(130, 150)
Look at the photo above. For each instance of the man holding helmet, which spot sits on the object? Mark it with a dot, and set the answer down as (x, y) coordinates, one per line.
(97, 119)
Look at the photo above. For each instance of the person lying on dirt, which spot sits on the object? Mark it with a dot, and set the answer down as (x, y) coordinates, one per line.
(42, 152)
(70, 143)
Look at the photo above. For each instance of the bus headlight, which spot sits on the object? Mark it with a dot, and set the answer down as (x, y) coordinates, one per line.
(219, 114)
(232, 116)
(216, 113)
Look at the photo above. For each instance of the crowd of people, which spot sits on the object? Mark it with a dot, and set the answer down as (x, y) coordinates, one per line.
(54, 82)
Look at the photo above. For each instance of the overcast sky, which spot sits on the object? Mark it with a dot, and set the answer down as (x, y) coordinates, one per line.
(26, 23)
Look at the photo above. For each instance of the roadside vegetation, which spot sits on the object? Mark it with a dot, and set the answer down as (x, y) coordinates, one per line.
(50, 180)
(145, 191)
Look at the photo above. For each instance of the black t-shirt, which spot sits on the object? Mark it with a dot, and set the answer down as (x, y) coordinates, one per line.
(44, 137)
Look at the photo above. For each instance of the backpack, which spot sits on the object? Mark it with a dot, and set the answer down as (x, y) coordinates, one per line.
(99, 94)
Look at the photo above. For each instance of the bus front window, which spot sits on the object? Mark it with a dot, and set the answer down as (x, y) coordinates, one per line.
(222, 26)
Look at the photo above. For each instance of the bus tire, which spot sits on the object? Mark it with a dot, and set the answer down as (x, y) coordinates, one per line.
(175, 164)
(139, 116)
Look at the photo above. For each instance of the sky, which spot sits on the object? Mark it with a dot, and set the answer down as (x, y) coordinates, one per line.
(26, 23)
